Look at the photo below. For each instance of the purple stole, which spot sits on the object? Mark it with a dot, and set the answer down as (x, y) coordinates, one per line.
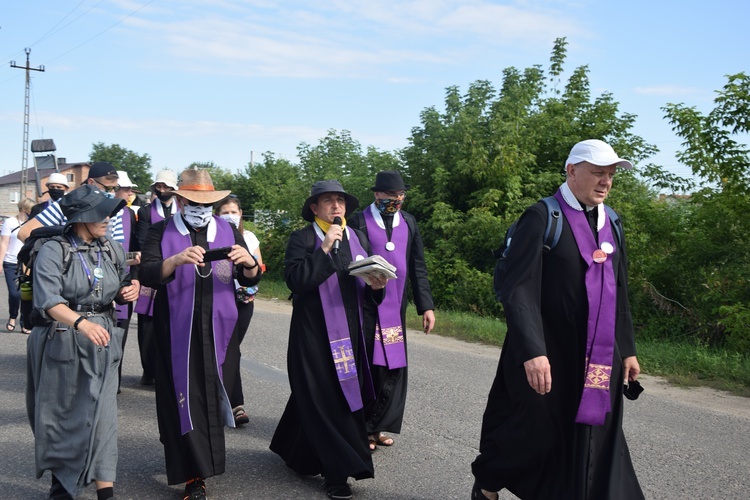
(181, 293)
(122, 310)
(337, 326)
(145, 302)
(389, 348)
(601, 289)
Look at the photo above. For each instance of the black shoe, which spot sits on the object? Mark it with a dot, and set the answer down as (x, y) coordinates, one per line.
(57, 491)
(195, 490)
(147, 380)
(476, 492)
(338, 491)
(240, 416)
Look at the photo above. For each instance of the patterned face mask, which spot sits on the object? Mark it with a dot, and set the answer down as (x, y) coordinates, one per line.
(389, 206)
(232, 219)
(197, 217)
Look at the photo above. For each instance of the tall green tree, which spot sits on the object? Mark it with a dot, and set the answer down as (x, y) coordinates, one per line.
(492, 152)
(709, 272)
(136, 165)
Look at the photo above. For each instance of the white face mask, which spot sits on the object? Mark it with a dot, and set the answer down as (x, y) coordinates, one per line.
(197, 217)
(232, 218)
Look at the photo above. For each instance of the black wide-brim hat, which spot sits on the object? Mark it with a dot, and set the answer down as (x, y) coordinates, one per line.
(389, 180)
(323, 187)
(89, 204)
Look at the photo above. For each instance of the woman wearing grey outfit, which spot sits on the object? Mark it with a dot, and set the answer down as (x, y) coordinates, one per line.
(72, 362)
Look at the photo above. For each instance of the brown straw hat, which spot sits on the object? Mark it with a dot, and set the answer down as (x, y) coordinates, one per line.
(197, 186)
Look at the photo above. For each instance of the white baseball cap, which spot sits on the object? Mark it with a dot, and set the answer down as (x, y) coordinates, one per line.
(167, 177)
(57, 178)
(124, 181)
(597, 153)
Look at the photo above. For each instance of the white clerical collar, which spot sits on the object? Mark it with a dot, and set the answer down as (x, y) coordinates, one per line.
(572, 201)
(179, 223)
(379, 218)
(322, 235)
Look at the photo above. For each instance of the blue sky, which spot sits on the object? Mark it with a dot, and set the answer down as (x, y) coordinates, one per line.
(215, 80)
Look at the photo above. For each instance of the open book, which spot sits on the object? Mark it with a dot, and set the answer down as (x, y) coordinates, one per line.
(374, 265)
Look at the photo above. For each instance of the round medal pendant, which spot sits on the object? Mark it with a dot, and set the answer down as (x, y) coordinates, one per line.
(390, 246)
(607, 247)
(359, 257)
(98, 273)
(599, 256)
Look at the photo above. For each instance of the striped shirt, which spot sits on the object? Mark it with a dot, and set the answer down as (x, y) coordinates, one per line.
(53, 216)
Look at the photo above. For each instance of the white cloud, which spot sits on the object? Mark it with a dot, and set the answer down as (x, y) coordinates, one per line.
(350, 39)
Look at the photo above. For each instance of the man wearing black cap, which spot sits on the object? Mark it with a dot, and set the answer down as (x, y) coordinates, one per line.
(322, 430)
(394, 235)
(103, 176)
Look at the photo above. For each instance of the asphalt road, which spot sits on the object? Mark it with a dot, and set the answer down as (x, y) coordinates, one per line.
(685, 443)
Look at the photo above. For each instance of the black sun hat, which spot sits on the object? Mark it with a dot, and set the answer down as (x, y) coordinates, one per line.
(389, 180)
(323, 187)
(88, 203)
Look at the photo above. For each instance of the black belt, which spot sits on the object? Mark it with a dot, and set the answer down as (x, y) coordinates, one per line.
(92, 310)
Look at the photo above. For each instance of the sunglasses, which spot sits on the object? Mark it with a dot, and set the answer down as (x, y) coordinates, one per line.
(108, 189)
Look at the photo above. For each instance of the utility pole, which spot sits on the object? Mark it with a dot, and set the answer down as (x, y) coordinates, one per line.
(25, 157)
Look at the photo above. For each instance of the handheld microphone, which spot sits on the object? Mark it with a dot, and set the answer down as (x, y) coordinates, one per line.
(337, 221)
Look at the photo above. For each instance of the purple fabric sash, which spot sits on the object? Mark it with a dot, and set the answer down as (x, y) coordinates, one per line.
(123, 310)
(390, 347)
(181, 293)
(337, 326)
(601, 290)
(145, 302)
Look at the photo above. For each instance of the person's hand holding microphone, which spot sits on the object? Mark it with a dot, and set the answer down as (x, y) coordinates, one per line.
(333, 237)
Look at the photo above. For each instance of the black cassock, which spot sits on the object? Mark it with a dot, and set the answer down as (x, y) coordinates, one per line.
(530, 444)
(200, 452)
(386, 413)
(318, 433)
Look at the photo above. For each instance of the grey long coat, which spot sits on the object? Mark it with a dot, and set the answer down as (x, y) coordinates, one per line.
(72, 383)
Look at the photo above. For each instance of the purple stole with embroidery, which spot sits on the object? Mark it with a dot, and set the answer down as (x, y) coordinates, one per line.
(601, 290)
(122, 309)
(339, 338)
(145, 302)
(389, 348)
(181, 293)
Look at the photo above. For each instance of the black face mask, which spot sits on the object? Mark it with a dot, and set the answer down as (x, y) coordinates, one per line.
(164, 196)
(56, 193)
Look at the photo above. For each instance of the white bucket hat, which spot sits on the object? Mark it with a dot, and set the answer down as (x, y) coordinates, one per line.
(167, 177)
(57, 178)
(124, 181)
(597, 153)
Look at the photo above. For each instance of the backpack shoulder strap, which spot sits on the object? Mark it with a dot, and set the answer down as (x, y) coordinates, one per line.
(554, 224)
(616, 223)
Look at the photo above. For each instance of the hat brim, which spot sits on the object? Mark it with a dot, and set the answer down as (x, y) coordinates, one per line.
(620, 162)
(202, 196)
(384, 189)
(108, 207)
(351, 205)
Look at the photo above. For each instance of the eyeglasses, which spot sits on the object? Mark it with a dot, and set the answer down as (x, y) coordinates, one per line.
(108, 189)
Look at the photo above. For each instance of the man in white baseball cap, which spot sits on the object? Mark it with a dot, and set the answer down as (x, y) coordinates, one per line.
(567, 314)
(596, 152)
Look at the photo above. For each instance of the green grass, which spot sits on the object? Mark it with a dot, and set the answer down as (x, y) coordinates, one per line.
(681, 363)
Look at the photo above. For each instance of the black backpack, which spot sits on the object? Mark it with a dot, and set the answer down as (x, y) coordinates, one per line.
(552, 233)
(29, 251)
